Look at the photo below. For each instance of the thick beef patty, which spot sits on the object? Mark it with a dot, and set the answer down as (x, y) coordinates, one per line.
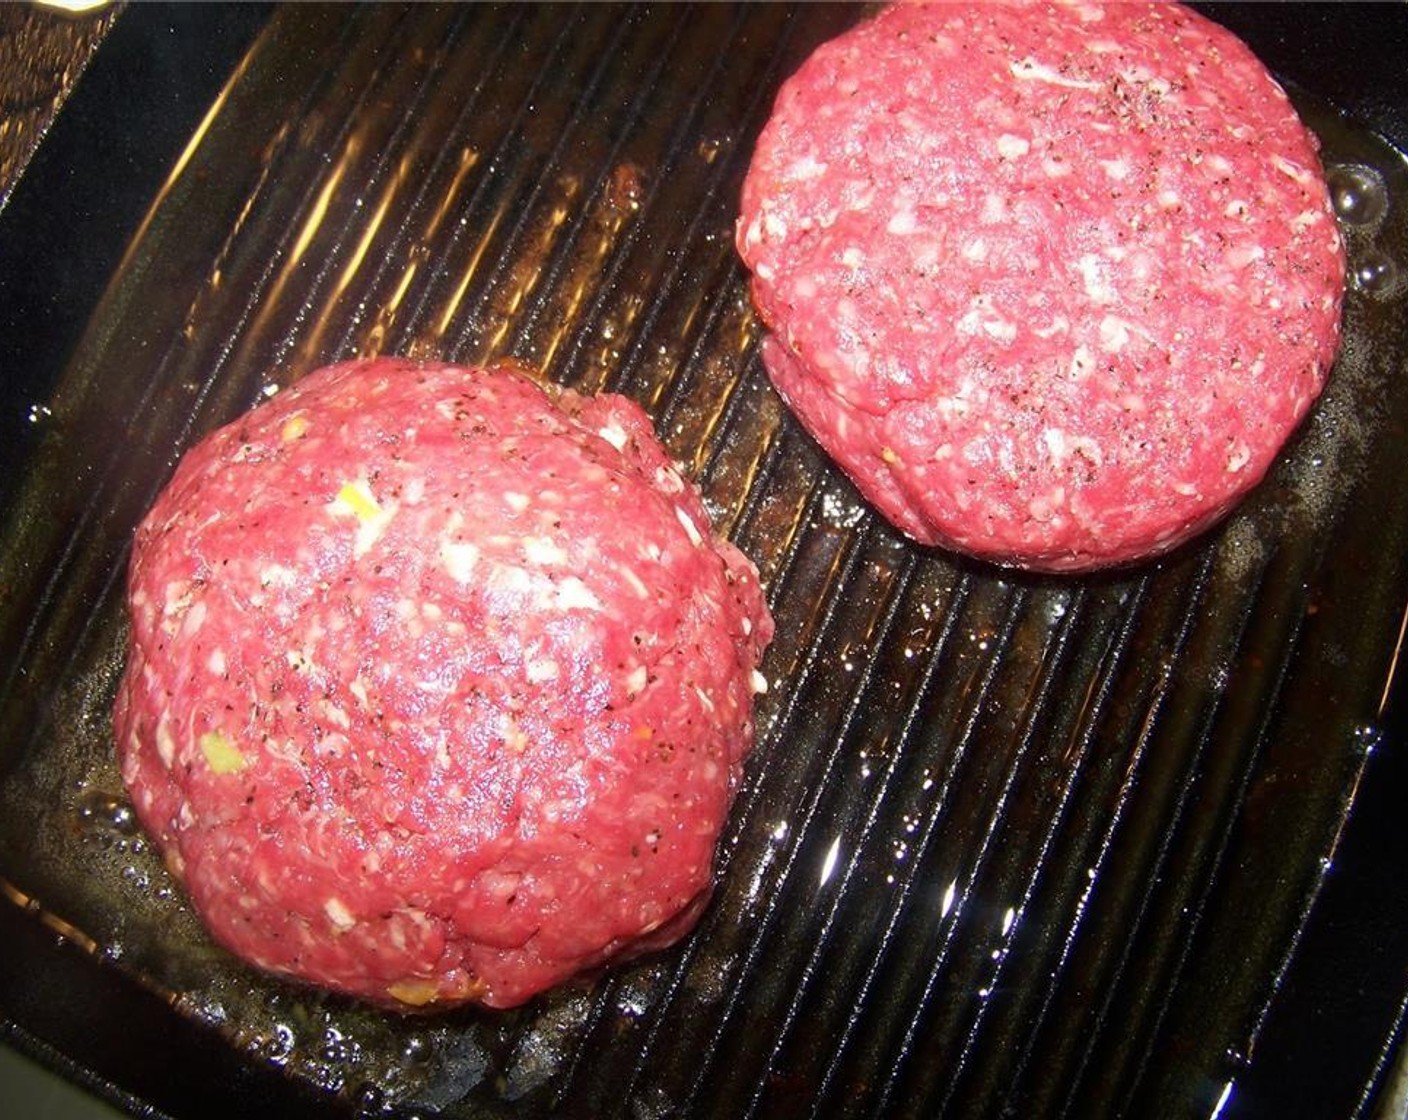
(1052, 282)
(439, 684)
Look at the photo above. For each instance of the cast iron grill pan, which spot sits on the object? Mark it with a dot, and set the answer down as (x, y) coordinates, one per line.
(1008, 845)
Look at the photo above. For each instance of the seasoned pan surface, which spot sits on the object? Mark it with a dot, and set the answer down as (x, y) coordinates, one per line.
(1008, 845)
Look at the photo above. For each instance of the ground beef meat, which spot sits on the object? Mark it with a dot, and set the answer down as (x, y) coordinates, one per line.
(1052, 282)
(439, 684)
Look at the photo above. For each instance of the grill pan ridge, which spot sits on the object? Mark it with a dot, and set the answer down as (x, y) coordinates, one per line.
(1008, 845)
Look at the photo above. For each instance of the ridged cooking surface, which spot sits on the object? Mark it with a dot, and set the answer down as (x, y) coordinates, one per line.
(1007, 846)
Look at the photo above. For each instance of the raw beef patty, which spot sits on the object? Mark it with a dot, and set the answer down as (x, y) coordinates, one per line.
(438, 685)
(1053, 283)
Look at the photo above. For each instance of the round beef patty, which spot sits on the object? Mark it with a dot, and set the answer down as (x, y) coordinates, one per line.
(439, 685)
(1052, 282)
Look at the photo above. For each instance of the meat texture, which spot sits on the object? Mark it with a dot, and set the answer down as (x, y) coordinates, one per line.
(439, 685)
(1053, 282)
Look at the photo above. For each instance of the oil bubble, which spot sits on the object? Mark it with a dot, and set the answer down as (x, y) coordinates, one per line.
(101, 810)
(1373, 273)
(418, 1050)
(336, 1048)
(1357, 194)
(368, 1099)
(279, 1045)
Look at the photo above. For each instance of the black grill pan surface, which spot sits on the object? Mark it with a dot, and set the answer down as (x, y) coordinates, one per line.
(1124, 845)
